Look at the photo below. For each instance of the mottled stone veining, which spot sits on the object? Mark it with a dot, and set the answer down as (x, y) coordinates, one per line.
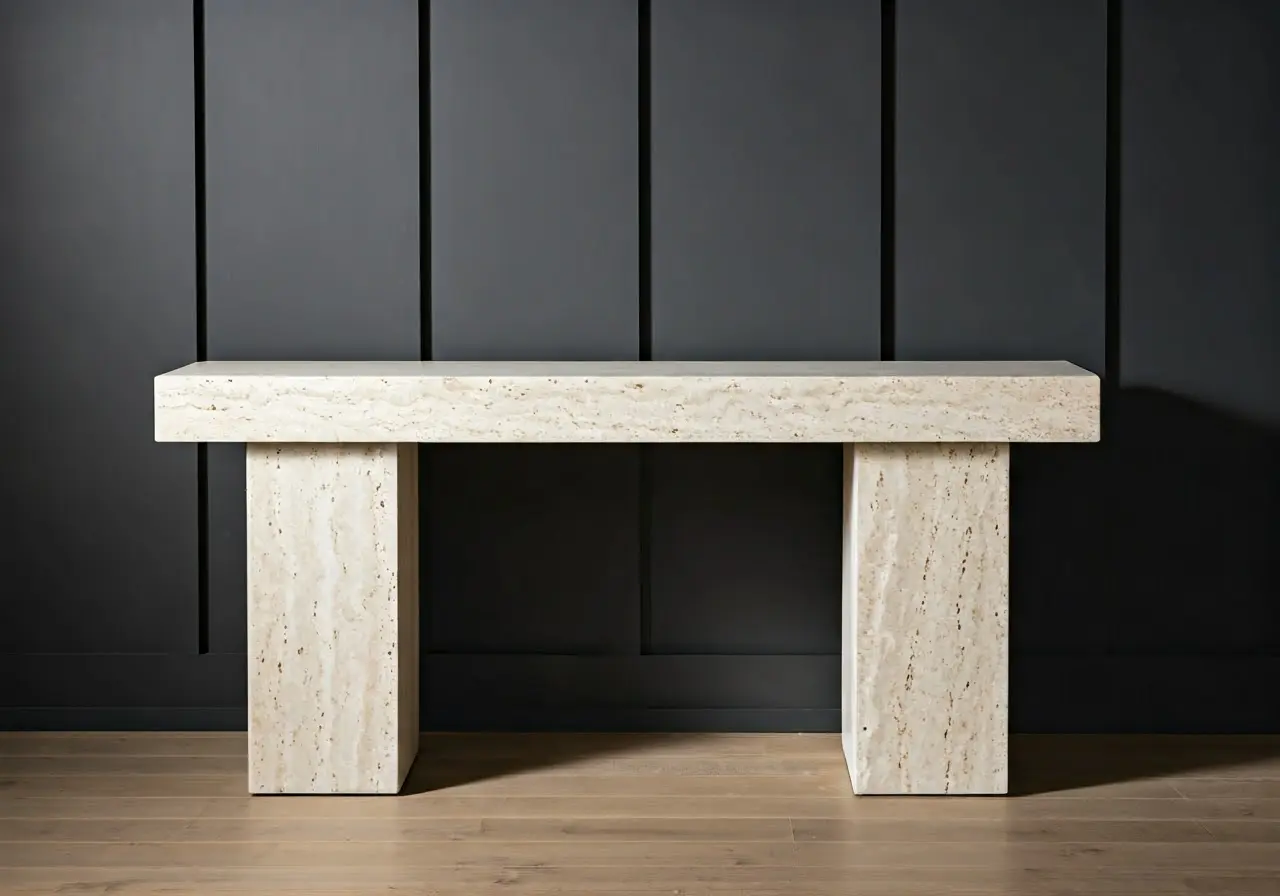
(411, 401)
(333, 617)
(925, 623)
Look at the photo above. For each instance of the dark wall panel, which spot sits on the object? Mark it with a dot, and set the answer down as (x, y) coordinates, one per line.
(534, 255)
(97, 296)
(533, 549)
(1200, 274)
(1000, 253)
(534, 179)
(312, 211)
(1001, 179)
(765, 179)
(765, 239)
(1197, 428)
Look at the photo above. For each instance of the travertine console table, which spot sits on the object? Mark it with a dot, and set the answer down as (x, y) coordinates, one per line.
(333, 545)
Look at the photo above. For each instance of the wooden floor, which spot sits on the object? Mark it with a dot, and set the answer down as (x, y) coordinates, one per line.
(639, 814)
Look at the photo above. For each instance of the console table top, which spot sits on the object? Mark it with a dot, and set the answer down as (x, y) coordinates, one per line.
(627, 401)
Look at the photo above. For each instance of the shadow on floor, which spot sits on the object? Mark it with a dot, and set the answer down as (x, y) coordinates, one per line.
(1040, 765)
(447, 760)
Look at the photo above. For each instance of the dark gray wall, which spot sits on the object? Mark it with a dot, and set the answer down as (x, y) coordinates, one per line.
(612, 179)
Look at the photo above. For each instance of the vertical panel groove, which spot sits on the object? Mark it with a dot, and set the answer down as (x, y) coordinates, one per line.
(1111, 349)
(202, 452)
(424, 177)
(645, 502)
(643, 125)
(888, 110)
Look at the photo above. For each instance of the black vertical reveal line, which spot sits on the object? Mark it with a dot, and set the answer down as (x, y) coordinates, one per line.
(888, 135)
(643, 127)
(424, 321)
(424, 177)
(1115, 60)
(644, 283)
(202, 342)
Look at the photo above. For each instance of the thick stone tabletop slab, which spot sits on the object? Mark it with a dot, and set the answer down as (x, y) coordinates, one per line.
(642, 401)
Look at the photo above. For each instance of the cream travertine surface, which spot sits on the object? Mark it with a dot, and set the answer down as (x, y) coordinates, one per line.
(412, 401)
(333, 617)
(925, 677)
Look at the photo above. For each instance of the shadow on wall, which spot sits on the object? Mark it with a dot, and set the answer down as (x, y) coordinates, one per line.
(1170, 621)
(1213, 767)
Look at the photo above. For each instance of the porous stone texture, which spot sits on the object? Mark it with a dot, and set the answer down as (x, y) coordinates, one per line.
(925, 668)
(645, 401)
(333, 617)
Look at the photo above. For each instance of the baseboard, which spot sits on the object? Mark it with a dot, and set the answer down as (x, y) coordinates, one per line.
(123, 718)
(103, 680)
(1145, 695)
(459, 687)
(1050, 694)
(678, 720)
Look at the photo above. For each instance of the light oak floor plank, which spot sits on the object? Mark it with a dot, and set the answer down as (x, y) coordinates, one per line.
(640, 815)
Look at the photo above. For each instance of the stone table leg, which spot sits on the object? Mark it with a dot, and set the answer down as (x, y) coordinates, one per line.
(333, 617)
(925, 656)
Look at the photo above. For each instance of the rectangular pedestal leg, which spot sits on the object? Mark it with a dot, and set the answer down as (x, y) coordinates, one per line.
(925, 660)
(333, 617)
